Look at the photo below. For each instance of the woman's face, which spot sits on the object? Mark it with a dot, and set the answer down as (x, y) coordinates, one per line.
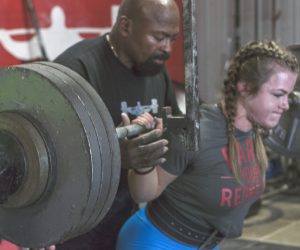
(266, 107)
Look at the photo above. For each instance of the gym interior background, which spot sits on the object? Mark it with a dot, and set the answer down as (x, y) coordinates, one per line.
(33, 30)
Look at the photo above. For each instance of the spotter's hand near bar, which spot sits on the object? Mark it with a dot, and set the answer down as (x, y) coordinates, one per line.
(147, 149)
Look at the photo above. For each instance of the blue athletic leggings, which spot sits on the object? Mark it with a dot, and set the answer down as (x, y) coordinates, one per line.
(139, 233)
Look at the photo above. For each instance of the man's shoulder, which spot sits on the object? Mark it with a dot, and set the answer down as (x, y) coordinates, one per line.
(88, 43)
(81, 48)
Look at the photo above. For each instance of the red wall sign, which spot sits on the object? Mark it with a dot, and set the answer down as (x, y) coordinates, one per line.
(62, 23)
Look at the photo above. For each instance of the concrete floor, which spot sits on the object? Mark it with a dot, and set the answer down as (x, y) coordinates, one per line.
(276, 225)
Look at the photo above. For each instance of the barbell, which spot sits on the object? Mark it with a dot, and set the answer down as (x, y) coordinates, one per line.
(59, 153)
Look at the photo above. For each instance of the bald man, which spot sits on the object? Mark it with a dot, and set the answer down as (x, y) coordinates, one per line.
(126, 67)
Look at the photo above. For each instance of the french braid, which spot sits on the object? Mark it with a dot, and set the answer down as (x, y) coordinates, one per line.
(252, 64)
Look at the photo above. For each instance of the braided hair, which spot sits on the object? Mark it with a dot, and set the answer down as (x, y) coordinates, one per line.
(252, 64)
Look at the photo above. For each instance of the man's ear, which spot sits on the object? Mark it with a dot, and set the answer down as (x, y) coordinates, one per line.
(242, 88)
(124, 25)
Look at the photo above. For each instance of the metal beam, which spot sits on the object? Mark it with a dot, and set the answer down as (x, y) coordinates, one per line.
(191, 73)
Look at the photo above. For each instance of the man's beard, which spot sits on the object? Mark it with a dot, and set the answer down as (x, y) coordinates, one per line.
(150, 67)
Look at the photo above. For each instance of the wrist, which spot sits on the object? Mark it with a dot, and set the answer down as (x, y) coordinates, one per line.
(144, 171)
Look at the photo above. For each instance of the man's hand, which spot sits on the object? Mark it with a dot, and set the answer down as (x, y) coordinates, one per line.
(145, 150)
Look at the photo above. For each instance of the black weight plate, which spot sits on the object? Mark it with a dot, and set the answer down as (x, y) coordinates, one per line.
(57, 108)
(111, 135)
(109, 177)
(98, 159)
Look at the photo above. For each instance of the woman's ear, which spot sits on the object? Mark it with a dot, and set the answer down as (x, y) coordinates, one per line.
(242, 88)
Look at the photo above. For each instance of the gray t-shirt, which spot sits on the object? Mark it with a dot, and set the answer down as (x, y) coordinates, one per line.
(206, 192)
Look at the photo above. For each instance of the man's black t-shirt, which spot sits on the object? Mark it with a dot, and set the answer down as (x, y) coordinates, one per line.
(115, 83)
(121, 90)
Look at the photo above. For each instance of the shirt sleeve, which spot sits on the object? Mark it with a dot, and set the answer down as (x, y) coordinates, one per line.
(171, 97)
(177, 156)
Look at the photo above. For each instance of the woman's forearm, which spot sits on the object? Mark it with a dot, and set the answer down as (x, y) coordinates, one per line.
(143, 187)
(147, 187)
